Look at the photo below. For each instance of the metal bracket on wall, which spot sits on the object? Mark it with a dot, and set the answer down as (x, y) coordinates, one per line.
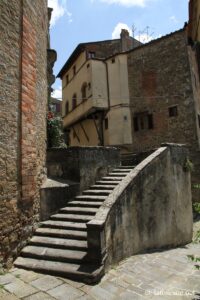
(76, 134)
(87, 137)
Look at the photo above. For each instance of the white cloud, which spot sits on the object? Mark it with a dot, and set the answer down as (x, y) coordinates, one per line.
(127, 3)
(174, 19)
(144, 38)
(59, 10)
(117, 30)
(57, 93)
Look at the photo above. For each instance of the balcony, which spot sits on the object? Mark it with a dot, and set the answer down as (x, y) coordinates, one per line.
(84, 109)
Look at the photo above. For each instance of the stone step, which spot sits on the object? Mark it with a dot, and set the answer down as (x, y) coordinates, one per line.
(71, 217)
(118, 174)
(63, 233)
(85, 204)
(58, 243)
(97, 192)
(53, 254)
(121, 171)
(112, 178)
(80, 272)
(79, 210)
(126, 167)
(90, 197)
(111, 182)
(102, 187)
(63, 225)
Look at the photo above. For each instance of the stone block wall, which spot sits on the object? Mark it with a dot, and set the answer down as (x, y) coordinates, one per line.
(23, 101)
(150, 209)
(83, 165)
(163, 100)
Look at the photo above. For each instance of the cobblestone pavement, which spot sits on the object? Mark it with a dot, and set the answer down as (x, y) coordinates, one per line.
(160, 275)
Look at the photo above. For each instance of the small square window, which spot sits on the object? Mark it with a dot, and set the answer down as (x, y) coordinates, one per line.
(106, 123)
(113, 60)
(173, 111)
(91, 54)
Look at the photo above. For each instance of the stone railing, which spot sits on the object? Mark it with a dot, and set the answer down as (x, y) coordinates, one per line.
(151, 208)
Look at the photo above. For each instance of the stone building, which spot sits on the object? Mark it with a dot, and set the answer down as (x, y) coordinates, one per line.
(23, 105)
(135, 99)
(94, 91)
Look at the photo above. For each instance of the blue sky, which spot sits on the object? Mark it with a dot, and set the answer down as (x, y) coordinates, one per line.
(77, 21)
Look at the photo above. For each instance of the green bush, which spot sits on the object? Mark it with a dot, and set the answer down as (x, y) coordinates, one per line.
(54, 131)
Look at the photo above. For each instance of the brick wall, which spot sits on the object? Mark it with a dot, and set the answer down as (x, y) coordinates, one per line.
(23, 97)
(162, 97)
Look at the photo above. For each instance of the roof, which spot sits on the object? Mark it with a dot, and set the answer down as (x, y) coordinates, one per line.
(81, 47)
(147, 44)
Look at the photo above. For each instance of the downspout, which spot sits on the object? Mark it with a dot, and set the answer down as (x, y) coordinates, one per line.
(108, 93)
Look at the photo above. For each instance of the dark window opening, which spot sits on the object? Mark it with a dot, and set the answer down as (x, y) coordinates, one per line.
(135, 121)
(67, 108)
(89, 85)
(67, 79)
(84, 91)
(150, 121)
(88, 65)
(143, 121)
(74, 103)
(113, 60)
(106, 123)
(91, 54)
(173, 111)
(74, 70)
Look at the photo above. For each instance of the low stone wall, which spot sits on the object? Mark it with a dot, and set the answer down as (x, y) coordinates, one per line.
(83, 165)
(151, 208)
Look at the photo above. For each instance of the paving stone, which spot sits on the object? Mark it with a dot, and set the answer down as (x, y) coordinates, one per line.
(112, 288)
(20, 289)
(39, 296)
(128, 295)
(65, 292)
(75, 284)
(101, 294)
(86, 297)
(4, 295)
(7, 278)
(131, 280)
(26, 276)
(46, 283)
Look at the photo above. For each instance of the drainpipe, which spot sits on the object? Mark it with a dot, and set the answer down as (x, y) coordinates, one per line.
(108, 93)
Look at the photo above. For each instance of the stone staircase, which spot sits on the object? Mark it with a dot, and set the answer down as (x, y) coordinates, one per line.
(59, 246)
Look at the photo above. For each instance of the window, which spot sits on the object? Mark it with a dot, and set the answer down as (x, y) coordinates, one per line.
(89, 85)
(143, 121)
(66, 107)
(67, 79)
(74, 70)
(106, 123)
(91, 54)
(113, 60)
(88, 65)
(83, 91)
(74, 102)
(173, 111)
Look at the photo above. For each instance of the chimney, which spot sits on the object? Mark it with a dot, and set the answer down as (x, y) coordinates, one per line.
(126, 40)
